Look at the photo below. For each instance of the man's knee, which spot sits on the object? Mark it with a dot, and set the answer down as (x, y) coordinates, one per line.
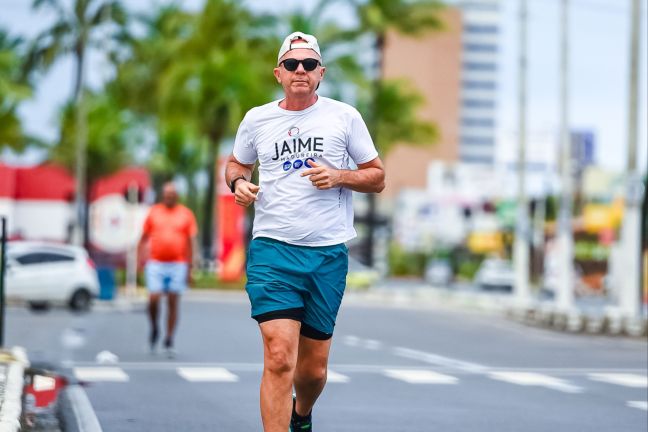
(312, 374)
(280, 354)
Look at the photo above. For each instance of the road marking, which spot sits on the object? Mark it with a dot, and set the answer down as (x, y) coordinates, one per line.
(535, 379)
(372, 344)
(207, 374)
(351, 340)
(438, 360)
(334, 377)
(622, 379)
(642, 405)
(93, 374)
(421, 376)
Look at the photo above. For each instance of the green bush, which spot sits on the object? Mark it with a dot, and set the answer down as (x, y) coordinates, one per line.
(403, 263)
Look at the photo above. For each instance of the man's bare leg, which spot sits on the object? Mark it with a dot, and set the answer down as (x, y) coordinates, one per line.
(280, 344)
(172, 316)
(154, 311)
(310, 373)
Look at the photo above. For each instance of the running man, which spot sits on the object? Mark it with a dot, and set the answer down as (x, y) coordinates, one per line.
(170, 230)
(297, 260)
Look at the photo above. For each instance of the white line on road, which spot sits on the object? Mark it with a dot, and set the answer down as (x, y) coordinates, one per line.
(438, 360)
(113, 374)
(334, 377)
(207, 375)
(622, 379)
(534, 379)
(642, 405)
(420, 376)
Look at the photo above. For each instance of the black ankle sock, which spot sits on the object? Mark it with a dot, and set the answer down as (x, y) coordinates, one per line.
(298, 417)
(168, 342)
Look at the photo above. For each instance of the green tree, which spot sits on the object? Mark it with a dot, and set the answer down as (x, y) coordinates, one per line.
(390, 107)
(110, 137)
(72, 33)
(13, 89)
(202, 71)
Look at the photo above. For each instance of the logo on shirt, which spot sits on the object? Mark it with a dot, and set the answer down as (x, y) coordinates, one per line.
(296, 148)
(293, 131)
(298, 164)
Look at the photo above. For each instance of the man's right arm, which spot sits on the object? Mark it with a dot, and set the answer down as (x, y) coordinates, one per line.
(245, 191)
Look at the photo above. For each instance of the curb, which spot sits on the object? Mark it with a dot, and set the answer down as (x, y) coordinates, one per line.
(15, 362)
(608, 322)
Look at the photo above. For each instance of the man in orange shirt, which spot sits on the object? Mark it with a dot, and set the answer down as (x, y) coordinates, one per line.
(170, 230)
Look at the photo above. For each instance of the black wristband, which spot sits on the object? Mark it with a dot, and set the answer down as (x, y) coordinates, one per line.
(233, 184)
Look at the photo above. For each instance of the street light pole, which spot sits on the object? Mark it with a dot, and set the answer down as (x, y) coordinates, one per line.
(521, 245)
(565, 240)
(630, 293)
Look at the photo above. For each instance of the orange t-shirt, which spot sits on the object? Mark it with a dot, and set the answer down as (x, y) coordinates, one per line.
(170, 231)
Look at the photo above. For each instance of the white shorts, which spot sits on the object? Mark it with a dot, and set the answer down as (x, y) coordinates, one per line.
(166, 276)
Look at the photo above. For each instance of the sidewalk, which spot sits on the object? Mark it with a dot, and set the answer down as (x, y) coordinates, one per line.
(12, 366)
(595, 315)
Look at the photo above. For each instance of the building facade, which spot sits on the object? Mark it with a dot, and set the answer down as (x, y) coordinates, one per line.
(479, 70)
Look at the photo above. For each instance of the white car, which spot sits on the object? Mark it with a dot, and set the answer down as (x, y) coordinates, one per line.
(495, 273)
(45, 273)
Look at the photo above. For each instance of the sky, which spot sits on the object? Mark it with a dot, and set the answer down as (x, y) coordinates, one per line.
(598, 77)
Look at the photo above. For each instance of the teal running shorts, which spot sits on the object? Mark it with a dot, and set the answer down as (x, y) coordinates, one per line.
(303, 283)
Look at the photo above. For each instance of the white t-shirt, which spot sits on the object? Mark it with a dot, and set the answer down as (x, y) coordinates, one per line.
(288, 207)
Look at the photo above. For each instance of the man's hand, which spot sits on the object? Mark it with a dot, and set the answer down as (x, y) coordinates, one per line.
(245, 193)
(323, 177)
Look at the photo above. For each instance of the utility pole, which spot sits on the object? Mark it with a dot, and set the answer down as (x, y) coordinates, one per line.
(80, 146)
(630, 292)
(521, 245)
(565, 239)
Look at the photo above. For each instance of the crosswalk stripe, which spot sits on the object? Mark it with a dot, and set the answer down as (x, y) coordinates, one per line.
(535, 379)
(201, 374)
(420, 376)
(94, 374)
(642, 405)
(334, 377)
(623, 379)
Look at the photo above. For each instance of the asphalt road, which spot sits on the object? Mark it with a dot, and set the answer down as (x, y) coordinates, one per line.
(392, 370)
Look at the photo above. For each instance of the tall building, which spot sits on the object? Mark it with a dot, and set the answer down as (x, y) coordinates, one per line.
(432, 65)
(479, 70)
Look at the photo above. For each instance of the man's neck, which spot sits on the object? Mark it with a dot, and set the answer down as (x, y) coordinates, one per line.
(298, 104)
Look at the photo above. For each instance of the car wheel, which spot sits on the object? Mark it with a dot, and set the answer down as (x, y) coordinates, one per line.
(81, 300)
(38, 306)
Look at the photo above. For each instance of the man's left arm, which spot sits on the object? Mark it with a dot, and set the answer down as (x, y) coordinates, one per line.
(368, 178)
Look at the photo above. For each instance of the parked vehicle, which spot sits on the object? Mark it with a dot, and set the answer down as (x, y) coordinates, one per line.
(438, 273)
(360, 276)
(495, 273)
(46, 273)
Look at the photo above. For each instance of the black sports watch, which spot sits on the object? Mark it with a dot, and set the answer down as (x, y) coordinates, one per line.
(233, 183)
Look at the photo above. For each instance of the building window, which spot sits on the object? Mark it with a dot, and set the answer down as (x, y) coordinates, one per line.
(479, 6)
(481, 122)
(479, 85)
(478, 103)
(477, 159)
(481, 48)
(477, 140)
(481, 29)
(478, 66)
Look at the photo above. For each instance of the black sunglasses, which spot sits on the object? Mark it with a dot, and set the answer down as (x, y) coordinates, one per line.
(292, 64)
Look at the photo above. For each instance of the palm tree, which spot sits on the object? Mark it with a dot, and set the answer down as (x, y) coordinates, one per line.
(13, 89)
(390, 107)
(73, 32)
(110, 136)
(202, 71)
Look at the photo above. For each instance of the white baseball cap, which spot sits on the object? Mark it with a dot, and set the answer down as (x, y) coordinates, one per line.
(299, 40)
